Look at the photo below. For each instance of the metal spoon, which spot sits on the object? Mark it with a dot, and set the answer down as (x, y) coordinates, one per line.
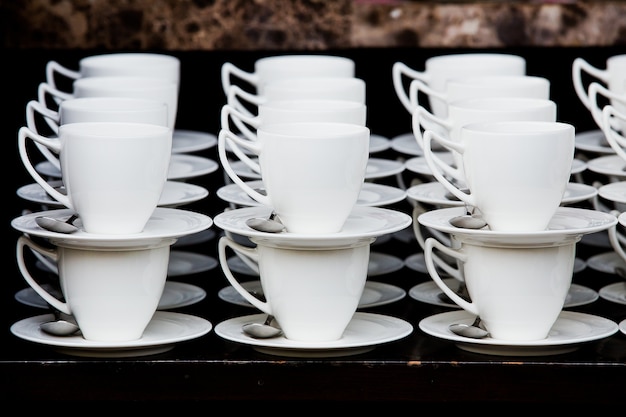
(59, 326)
(270, 225)
(468, 222)
(469, 330)
(263, 330)
(58, 226)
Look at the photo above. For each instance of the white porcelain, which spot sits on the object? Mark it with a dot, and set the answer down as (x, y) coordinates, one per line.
(112, 294)
(493, 156)
(406, 144)
(161, 335)
(612, 166)
(593, 141)
(312, 172)
(282, 67)
(615, 293)
(570, 331)
(364, 332)
(111, 179)
(439, 69)
(613, 123)
(613, 76)
(185, 141)
(606, 262)
(313, 293)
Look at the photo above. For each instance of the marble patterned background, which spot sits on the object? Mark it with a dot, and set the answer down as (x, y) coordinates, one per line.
(243, 25)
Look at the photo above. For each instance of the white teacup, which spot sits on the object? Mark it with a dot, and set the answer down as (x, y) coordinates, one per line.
(119, 64)
(516, 171)
(312, 171)
(483, 109)
(94, 109)
(114, 173)
(613, 76)
(149, 88)
(482, 86)
(282, 67)
(112, 293)
(439, 69)
(312, 292)
(518, 291)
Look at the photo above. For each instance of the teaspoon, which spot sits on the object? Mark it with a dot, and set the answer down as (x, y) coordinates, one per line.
(263, 330)
(55, 225)
(59, 326)
(473, 330)
(270, 225)
(468, 222)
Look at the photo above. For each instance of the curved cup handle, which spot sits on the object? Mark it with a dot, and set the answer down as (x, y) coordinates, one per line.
(234, 140)
(432, 243)
(53, 67)
(422, 118)
(617, 241)
(24, 241)
(50, 143)
(595, 89)
(418, 86)
(578, 67)
(229, 69)
(226, 242)
(617, 141)
(235, 96)
(399, 70)
(437, 166)
(242, 121)
(52, 118)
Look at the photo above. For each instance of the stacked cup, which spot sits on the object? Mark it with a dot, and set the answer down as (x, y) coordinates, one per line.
(311, 151)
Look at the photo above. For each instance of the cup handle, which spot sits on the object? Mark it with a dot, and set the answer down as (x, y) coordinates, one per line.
(430, 244)
(235, 96)
(578, 67)
(418, 86)
(617, 142)
(51, 143)
(226, 242)
(242, 122)
(423, 118)
(52, 118)
(221, 149)
(229, 69)
(53, 67)
(399, 70)
(23, 241)
(617, 241)
(437, 166)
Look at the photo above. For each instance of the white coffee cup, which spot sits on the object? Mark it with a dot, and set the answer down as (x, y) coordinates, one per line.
(483, 109)
(312, 171)
(114, 173)
(516, 171)
(281, 67)
(613, 76)
(303, 88)
(149, 88)
(111, 292)
(518, 291)
(439, 69)
(312, 292)
(94, 109)
(140, 64)
(482, 86)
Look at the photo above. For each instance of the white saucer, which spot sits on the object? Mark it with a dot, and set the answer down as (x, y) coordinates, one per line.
(375, 294)
(436, 194)
(567, 223)
(175, 193)
(416, 262)
(593, 141)
(182, 166)
(195, 238)
(364, 333)
(379, 264)
(406, 144)
(606, 262)
(372, 194)
(615, 191)
(175, 295)
(611, 165)
(622, 326)
(568, 333)
(164, 223)
(615, 292)
(363, 223)
(191, 141)
(376, 168)
(379, 143)
(428, 292)
(165, 329)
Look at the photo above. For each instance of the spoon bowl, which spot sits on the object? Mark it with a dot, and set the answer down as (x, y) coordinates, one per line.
(269, 225)
(58, 226)
(59, 327)
(468, 222)
(263, 330)
(473, 330)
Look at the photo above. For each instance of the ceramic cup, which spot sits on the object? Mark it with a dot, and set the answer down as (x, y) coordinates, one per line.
(518, 291)
(114, 173)
(482, 86)
(312, 292)
(149, 88)
(312, 171)
(94, 109)
(281, 67)
(162, 66)
(516, 171)
(111, 292)
(613, 76)
(439, 69)
(484, 109)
